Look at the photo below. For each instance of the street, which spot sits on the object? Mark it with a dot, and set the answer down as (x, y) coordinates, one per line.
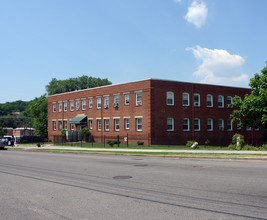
(43, 185)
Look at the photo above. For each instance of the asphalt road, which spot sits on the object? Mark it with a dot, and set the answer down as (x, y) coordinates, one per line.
(41, 185)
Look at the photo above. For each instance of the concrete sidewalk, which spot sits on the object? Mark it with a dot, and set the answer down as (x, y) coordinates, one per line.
(53, 147)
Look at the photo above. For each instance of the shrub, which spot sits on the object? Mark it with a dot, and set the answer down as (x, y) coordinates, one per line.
(263, 147)
(232, 147)
(248, 147)
(85, 132)
(190, 143)
(112, 142)
(207, 142)
(238, 141)
(63, 132)
(140, 142)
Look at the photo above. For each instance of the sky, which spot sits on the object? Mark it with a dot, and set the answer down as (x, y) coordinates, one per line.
(202, 41)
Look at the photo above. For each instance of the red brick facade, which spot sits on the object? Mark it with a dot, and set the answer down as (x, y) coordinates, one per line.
(148, 112)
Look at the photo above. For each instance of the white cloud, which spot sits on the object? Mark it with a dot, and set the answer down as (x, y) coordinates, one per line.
(197, 13)
(219, 67)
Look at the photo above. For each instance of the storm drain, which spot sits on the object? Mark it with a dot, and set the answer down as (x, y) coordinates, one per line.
(122, 177)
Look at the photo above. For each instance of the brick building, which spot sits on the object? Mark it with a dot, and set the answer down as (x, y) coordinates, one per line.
(154, 111)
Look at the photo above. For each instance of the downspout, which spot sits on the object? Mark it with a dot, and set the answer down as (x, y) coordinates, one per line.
(193, 113)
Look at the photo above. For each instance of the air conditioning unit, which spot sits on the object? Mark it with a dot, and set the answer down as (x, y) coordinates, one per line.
(105, 106)
(196, 104)
(139, 103)
(115, 105)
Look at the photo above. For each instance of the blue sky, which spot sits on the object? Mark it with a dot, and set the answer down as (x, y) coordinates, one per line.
(208, 41)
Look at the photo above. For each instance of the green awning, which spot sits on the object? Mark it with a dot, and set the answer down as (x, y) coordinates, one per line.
(78, 120)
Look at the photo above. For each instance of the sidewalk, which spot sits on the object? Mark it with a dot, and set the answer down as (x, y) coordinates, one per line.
(53, 147)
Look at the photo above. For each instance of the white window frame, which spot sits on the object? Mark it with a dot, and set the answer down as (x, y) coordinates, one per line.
(54, 107)
(186, 99)
(54, 125)
(222, 101)
(65, 106)
(209, 96)
(209, 124)
(90, 124)
(248, 128)
(116, 100)
(65, 125)
(138, 122)
(116, 124)
(221, 124)
(99, 124)
(229, 100)
(106, 123)
(71, 105)
(126, 99)
(188, 124)
(198, 124)
(90, 102)
(169, 98)
(98, 102)
(138, 98)
(196, 102)
(59, 106)
(106, 101)
(60, 125)
(83, 104)
(126, 123)
(77, 104)
(72, 126)
(170, 124)
(229, 125)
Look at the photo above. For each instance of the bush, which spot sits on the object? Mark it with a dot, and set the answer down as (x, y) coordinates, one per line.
(190, 143)
(63, 132)
(207, 142)
(238, 141)
(263, 147)
(112, 142)
(232, 147)
(140, 142)
(248, 147)
(85, 132)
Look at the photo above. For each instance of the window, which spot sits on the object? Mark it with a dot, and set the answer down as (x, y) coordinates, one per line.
(221, 124)
(106, 122)
(54, 107)
(238, 125)
(54, 125)
(77, 104)
(116, 124)
(138, 98)
(60, 107)
(65, 125)
(60, 125)
(126, 99)
(83, 104)
(90, 102)
(138, 124)
(209, 101)
(185, 99)
(98, 102)
(196, 99)
(170, 124)
(127, 123)
(220, 101)
(65, 106)
(116, 101)
(72, 126)
(197, 124)
(170, 98)
(91, 124)
(99, 124)
(71, 106)
(209, 124)
(248, 128)
(229, 101)
(106, 101)
(229, 125)
(185, 124)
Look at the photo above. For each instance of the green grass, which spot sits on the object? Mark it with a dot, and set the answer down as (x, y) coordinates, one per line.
(161, 153)
(154, 147)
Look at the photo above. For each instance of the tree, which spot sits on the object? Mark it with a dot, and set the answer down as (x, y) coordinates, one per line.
(252, 111)
(60, 86)
(37, 111)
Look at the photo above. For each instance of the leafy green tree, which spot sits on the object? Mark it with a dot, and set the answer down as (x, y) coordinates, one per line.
(252, 111)
(60, 86)
(37, 111)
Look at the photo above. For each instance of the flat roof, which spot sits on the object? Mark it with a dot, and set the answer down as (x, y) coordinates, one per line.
(156, 79)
